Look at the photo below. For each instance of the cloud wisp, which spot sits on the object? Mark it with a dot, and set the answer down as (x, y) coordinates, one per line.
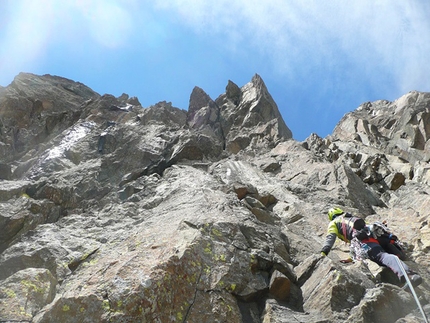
(380, 37)
(32, 28)
(109, 22)
(376, 36)
(23, 40)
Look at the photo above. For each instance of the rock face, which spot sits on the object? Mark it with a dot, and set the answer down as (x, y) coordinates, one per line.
(111, 212)
(400, 128)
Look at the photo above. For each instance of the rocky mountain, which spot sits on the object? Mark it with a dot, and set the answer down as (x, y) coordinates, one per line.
(111, 212)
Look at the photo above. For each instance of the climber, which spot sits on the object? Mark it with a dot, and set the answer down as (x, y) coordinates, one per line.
(342, 225)
(368, 237)
(347, 227)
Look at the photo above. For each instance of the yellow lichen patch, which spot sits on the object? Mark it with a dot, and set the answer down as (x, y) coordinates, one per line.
(9, 292)
(192, 279)
(179, 316)
(66, 308)
(232, 287)
(204, 227)
(82, 309)
(90, 263)
(106, 305)
(31, 286)
(85, 256)
(253, 261)
(195, 264)
(216, 232)
(23, 312)
(338, 275)
(207, 270)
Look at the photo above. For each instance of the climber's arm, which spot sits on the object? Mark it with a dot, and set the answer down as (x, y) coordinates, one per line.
(329, 242)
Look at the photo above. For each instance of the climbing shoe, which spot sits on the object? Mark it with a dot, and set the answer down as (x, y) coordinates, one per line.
(415, 279)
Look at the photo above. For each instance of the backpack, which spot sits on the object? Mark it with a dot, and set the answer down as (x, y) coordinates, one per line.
(381, 232)
(350, 222)
(378, 229)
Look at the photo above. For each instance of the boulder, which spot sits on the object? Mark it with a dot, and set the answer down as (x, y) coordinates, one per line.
(25, 293)
(383, 304)
(279, 286)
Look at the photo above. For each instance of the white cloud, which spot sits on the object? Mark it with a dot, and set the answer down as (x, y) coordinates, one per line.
(388, 36)
(32, 26)
(26, 33)
(391, 37)
(109, 22)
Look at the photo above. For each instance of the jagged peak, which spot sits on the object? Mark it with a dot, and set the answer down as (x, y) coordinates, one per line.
(198, 99)
(233, 92)
(257, 79)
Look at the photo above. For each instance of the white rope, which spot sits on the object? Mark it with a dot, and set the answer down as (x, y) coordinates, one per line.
(412, 289)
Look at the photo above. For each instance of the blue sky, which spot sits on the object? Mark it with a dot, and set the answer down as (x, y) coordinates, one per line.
(319, 59)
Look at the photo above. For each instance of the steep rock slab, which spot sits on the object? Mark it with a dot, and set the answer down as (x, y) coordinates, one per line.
(331, 290)
(21, 214)
(208, 252)
(305, 174)
(34, 107)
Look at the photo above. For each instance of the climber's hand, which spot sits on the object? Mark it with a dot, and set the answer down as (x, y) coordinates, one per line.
(346, 261)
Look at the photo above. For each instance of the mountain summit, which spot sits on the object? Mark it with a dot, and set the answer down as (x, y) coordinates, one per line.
(114, 212)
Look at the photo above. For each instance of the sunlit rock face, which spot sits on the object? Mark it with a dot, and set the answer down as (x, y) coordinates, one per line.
(401, 128)
(114, 212)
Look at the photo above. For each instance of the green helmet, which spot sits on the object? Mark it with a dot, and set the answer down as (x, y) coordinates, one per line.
(334, 212)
